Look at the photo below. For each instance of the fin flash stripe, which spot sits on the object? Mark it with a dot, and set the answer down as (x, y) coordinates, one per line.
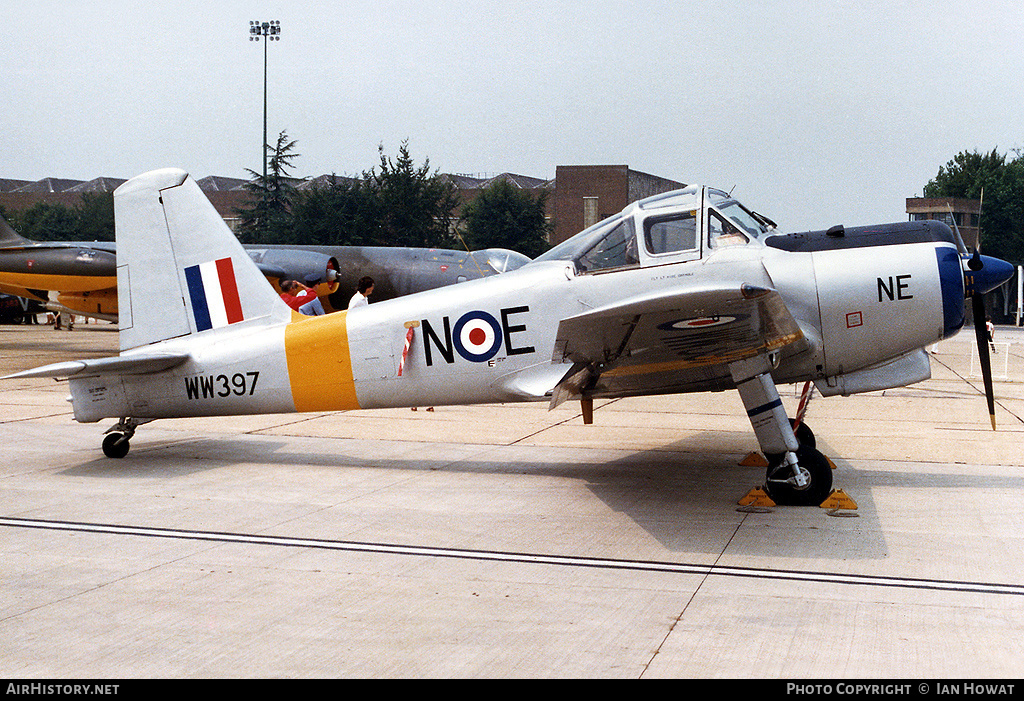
(214, 294)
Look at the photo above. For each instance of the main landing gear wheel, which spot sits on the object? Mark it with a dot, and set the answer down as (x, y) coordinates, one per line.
(804, 434)
(115, 445)
(782, 488)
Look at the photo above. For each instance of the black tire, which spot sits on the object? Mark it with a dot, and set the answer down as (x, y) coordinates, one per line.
(804, 434)
(114, 446)
(814, 493)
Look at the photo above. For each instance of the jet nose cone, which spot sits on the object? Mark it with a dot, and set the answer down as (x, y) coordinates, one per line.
(993, 273)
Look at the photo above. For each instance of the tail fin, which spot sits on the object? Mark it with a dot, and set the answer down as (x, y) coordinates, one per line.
(10, 237)
(180, 270)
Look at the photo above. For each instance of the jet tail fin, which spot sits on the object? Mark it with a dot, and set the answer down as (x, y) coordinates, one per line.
(180, 269)
(10, 237)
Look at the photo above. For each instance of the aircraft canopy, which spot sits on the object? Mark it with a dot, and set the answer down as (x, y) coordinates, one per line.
(675, 225)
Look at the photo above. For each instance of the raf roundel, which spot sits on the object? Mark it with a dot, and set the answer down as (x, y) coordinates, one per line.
(702, 322)
(477, 336)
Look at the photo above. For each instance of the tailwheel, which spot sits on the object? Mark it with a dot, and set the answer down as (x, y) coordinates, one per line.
(115, 445)
(784, 487)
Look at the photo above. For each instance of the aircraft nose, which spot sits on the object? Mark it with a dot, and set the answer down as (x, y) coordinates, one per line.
(992, 273)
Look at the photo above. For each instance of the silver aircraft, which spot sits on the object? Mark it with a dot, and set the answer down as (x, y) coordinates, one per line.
(686, 291)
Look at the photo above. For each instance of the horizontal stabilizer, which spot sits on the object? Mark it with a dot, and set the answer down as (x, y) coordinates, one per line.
(121, 365)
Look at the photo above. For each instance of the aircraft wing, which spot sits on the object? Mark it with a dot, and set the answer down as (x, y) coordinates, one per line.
(119, 365)
(674, 341)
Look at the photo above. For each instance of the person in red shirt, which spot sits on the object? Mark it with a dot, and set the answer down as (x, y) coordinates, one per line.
(301, 298)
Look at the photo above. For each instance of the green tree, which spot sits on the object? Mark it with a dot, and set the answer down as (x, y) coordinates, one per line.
(966, 174)
(269, 220)
(338, 213)
(1001, 181)
(395, 204)
(91, 220)
(504, 216)
(96, 216)
(410, 206)
(49, 222)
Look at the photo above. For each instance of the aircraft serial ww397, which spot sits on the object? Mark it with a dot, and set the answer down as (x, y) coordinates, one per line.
(686, 291)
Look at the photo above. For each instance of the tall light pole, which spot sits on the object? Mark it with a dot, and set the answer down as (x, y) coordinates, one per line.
(271, 31)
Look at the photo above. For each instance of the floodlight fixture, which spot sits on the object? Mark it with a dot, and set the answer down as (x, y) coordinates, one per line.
(271, 31)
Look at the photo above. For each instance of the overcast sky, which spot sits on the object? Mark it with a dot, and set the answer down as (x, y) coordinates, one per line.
(817, 113)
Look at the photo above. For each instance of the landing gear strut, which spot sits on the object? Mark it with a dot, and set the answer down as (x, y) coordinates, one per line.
(797, 474)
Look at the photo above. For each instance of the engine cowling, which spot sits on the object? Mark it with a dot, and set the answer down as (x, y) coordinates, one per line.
(883, 293)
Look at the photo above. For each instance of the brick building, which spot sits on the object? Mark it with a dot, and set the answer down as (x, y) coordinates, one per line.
(584, 195)
(956, 212)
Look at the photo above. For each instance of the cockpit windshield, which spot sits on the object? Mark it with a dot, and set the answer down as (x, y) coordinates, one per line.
(748, 222)
(608, 244)
(744, 219)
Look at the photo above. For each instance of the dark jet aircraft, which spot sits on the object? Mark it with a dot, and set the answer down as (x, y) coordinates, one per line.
(82, 277)
(334, 271)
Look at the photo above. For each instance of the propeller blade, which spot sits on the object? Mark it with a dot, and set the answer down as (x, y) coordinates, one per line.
(980, 331)
(981, 201)
(959, 239)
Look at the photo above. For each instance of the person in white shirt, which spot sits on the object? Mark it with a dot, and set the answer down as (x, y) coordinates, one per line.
(364, 290)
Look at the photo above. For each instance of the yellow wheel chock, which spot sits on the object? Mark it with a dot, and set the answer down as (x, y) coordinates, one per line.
(839, 499)
(754, 459)
(756, 497)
